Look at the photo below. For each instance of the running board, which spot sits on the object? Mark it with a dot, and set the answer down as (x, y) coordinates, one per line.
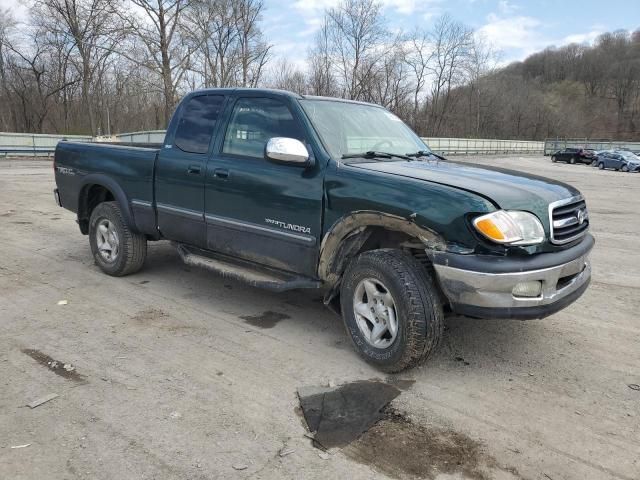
(246, 272)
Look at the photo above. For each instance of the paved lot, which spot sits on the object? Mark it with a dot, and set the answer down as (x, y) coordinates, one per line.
(171, 381)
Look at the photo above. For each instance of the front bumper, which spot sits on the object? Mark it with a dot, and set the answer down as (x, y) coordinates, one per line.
(486, 289)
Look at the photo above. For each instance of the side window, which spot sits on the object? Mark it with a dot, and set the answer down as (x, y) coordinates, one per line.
(197, 123)
(254, 121)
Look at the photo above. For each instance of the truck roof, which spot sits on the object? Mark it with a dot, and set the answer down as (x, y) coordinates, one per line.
(284, 93)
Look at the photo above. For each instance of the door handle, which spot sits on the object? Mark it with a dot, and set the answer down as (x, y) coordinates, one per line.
(221, 173)
(194, 169)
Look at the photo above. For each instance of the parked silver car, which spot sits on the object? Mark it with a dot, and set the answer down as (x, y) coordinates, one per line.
(618, 160)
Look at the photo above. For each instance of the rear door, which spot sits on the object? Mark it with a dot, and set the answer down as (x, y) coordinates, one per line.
(565, 155)
(255, 209)
(180, 170)
(618, 160)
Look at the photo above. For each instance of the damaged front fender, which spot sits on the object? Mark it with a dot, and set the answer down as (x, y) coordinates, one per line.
(347, 236)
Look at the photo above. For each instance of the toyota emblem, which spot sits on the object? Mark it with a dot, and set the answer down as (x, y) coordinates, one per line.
(582, 215)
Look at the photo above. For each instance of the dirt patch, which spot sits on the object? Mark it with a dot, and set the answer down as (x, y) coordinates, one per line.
(339, 415)
(399, 447)
(153, 317)
(65, 370)
(266, 319)
(22, 223)
(149, 315)
(403, 384)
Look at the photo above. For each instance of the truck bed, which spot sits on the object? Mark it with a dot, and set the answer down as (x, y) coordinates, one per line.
(78, 165)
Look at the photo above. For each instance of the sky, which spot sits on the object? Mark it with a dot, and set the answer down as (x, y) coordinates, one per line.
(517, 28)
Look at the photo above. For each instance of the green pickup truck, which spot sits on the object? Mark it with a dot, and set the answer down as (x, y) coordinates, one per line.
(285, 192)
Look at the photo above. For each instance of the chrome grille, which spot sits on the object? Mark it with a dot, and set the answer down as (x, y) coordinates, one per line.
(568, 220)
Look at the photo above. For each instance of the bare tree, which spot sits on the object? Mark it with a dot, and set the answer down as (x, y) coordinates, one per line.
(212, 26)
(254, 51)
(481, 61)
(159, 29)
(231, 49)
(418, 57)
(32, 82)
(285, 76)
(7, 22)
(451, 41)
(321, 75)
(357, 42)
(88, 28)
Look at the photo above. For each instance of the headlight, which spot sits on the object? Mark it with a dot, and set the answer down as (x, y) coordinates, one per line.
(510, 227)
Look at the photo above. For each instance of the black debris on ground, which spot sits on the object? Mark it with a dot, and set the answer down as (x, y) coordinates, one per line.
(65, 370)
(338, 416)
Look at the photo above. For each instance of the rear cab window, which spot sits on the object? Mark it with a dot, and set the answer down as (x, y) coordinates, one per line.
(197, 123)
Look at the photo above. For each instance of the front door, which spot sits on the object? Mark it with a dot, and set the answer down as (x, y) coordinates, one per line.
(180, 170)
(258, 210)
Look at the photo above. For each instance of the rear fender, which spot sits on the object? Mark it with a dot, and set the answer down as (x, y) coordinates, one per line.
(118, 193)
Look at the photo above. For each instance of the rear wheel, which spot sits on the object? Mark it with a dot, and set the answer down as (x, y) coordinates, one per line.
(572, 160)
(391, 308)
(116, 249)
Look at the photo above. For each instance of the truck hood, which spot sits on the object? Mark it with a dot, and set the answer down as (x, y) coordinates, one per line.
(507, 189)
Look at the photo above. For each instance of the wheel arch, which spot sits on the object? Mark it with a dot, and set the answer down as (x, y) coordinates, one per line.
(368, 230)
(98, 188)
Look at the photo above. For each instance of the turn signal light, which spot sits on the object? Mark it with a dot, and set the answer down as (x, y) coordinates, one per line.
(510, 227)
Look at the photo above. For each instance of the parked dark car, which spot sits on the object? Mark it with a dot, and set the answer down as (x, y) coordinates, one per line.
(619, 160)
(574, 155)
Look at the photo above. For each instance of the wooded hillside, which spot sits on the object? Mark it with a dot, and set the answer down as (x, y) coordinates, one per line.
(106, 66)
(575, 91)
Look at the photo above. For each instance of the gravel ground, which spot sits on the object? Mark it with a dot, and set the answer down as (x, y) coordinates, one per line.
(179, 374)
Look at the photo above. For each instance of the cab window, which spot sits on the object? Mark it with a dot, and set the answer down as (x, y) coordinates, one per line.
(197, 123)
(254, 121)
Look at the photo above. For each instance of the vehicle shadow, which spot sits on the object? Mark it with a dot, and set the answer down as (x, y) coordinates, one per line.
(466, 342)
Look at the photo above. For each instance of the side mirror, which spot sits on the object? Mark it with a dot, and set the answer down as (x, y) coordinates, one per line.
(288, 151)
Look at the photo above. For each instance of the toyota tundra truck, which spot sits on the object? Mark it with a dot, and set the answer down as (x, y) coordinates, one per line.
(287, 191)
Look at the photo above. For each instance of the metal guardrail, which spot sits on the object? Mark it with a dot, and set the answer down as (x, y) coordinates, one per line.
(150, 136)
(13, 144)
(482, 146)
(34, 145)
(553, 145)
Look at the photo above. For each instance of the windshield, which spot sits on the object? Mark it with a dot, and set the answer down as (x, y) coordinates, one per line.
(628, 156)
(351, 128)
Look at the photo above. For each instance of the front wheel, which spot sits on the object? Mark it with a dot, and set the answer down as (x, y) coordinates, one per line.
(573, 160)
(116, 249)
(391, 308)
(554, 159)
(601, 166)
(625, 168)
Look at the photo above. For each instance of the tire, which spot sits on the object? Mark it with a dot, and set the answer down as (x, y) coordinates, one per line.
(601, 166)
(417, 308)
(128, 250)
(625, 168)
(572, 160)
(554, 159)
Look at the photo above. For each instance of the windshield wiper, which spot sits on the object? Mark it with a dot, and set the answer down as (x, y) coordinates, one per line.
(376, 154)
(425, 153)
